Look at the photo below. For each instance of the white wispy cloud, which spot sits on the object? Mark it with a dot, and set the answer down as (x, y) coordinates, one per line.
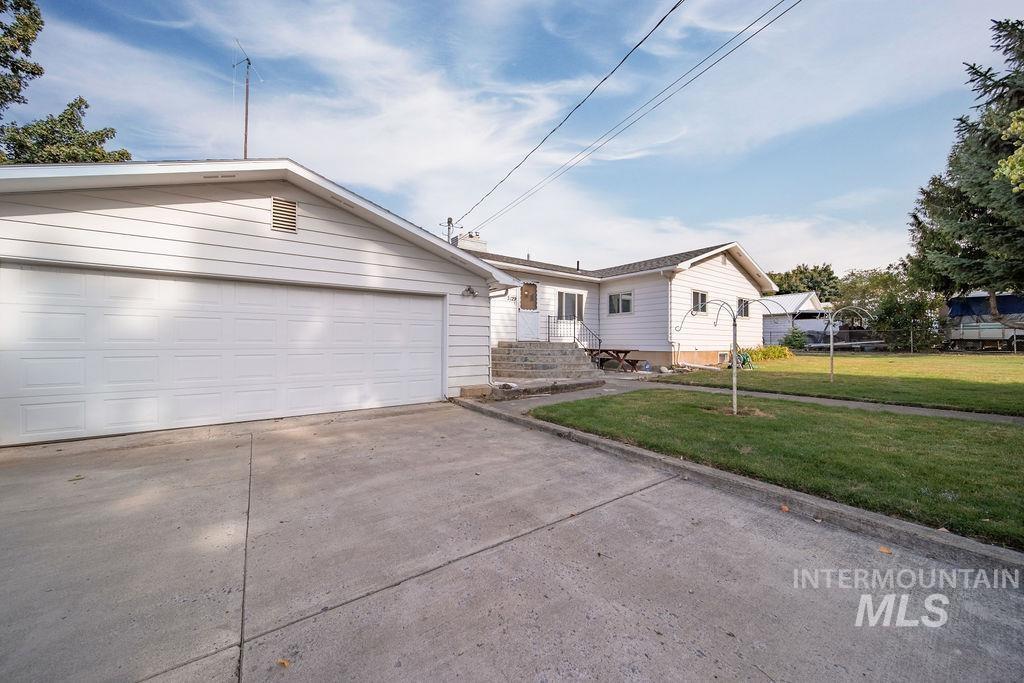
(857, 199)
(387, 114)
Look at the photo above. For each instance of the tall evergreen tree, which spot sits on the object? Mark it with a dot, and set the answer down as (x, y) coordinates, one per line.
(968, 225)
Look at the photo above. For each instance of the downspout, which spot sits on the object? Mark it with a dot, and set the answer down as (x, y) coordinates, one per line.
(490, 359)
(671, 344)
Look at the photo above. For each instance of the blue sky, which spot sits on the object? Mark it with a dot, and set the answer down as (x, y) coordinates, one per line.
(806, 145)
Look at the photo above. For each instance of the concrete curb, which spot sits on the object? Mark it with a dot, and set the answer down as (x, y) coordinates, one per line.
(939, 545)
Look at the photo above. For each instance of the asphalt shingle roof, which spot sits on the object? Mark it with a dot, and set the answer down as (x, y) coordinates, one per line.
(625, 269)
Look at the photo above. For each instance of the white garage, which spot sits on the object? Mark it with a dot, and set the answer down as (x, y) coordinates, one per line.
(113, 322)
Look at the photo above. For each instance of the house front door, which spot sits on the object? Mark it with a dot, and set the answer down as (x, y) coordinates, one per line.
(528, 323)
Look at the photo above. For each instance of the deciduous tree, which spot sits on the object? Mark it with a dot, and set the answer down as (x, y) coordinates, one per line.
(54, 139)
(804, 278)
(59, 139)
(20, 23)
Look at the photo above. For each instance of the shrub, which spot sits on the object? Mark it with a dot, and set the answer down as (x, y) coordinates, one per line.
(762, 353)
(795, 339)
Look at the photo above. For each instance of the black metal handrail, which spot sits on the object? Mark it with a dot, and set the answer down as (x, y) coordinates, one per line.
(573, 328)
(586, 337)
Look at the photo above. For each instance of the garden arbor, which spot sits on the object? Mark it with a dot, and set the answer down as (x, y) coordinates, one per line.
(863, 314)
(734, 314)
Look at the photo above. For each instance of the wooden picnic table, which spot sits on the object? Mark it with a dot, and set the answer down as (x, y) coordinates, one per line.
(618, 355)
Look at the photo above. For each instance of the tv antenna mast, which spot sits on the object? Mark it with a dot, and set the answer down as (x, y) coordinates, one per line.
(248, 67)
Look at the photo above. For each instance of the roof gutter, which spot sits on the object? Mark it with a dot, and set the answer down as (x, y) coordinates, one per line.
(542, 271)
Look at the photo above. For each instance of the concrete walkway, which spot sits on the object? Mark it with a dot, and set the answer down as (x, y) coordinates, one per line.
(620, 382)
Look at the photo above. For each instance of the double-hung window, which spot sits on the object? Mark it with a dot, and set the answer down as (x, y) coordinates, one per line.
(620, 303)
(699, 302)
(570, 306)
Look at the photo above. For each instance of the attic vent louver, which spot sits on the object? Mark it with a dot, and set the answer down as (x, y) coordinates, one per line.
(283, 215)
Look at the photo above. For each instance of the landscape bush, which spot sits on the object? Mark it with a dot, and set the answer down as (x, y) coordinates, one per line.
(762, 353)
(795, 339)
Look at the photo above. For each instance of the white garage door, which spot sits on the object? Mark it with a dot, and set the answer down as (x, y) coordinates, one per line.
(87, 352)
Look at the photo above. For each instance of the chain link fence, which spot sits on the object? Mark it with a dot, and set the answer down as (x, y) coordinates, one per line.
(910, 339)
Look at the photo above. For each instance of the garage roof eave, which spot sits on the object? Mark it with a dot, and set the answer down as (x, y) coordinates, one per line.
(53, 177)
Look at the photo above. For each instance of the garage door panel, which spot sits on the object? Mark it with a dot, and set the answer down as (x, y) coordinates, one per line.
(256, 367)
(137, 412)
(52, 417)
(255, 331)
(198, 330)
(91, 352)
(349, 364)
(190, 368)
(353, 303)
(305, 365)
(132, 290)
(252, 403)
(32, 326)
(120, 371)
(424, 334)
(351, 333)
(255, 297)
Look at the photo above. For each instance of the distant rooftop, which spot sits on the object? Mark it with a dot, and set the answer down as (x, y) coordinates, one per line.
(625, 269)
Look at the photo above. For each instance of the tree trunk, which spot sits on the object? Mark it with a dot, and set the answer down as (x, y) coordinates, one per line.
(993, 310)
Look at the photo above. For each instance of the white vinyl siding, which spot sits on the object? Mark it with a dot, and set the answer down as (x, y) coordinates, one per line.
(646, 327)
(504, 309)
(726, 282)
(224, 231)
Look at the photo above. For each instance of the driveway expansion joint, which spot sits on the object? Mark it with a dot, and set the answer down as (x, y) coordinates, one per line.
(245, 561)
(455, 560)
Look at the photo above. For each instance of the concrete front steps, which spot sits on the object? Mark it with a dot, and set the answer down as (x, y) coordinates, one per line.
(542, 360)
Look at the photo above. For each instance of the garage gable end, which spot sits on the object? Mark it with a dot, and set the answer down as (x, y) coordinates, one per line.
(139, 308)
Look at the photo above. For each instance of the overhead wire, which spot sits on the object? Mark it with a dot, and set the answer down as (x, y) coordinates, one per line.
(620, 128)
(573, 110)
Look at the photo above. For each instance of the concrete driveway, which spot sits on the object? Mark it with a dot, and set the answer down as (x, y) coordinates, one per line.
(432, 542)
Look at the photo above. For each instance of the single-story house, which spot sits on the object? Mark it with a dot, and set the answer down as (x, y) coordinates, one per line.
(143, 296)
(642, 306)
(803, 310)
(970, 325)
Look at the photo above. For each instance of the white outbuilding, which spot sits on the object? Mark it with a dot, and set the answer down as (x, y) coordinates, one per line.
(803, 310)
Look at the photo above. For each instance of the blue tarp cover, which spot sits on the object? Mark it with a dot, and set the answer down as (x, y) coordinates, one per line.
(978, 305)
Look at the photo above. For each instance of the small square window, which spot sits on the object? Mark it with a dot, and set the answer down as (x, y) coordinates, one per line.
(620, 303)
(743, 308)
(700, 302)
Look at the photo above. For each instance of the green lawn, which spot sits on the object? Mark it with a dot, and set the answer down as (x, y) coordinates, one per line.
(992, 384)
(965, 476)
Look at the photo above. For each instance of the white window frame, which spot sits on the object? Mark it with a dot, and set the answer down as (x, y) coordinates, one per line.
(577, 304)
(693, 306)
(742, 308)
(627, 293)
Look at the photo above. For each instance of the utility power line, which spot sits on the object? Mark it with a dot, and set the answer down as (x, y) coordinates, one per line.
(573, 110)
(620, 128)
